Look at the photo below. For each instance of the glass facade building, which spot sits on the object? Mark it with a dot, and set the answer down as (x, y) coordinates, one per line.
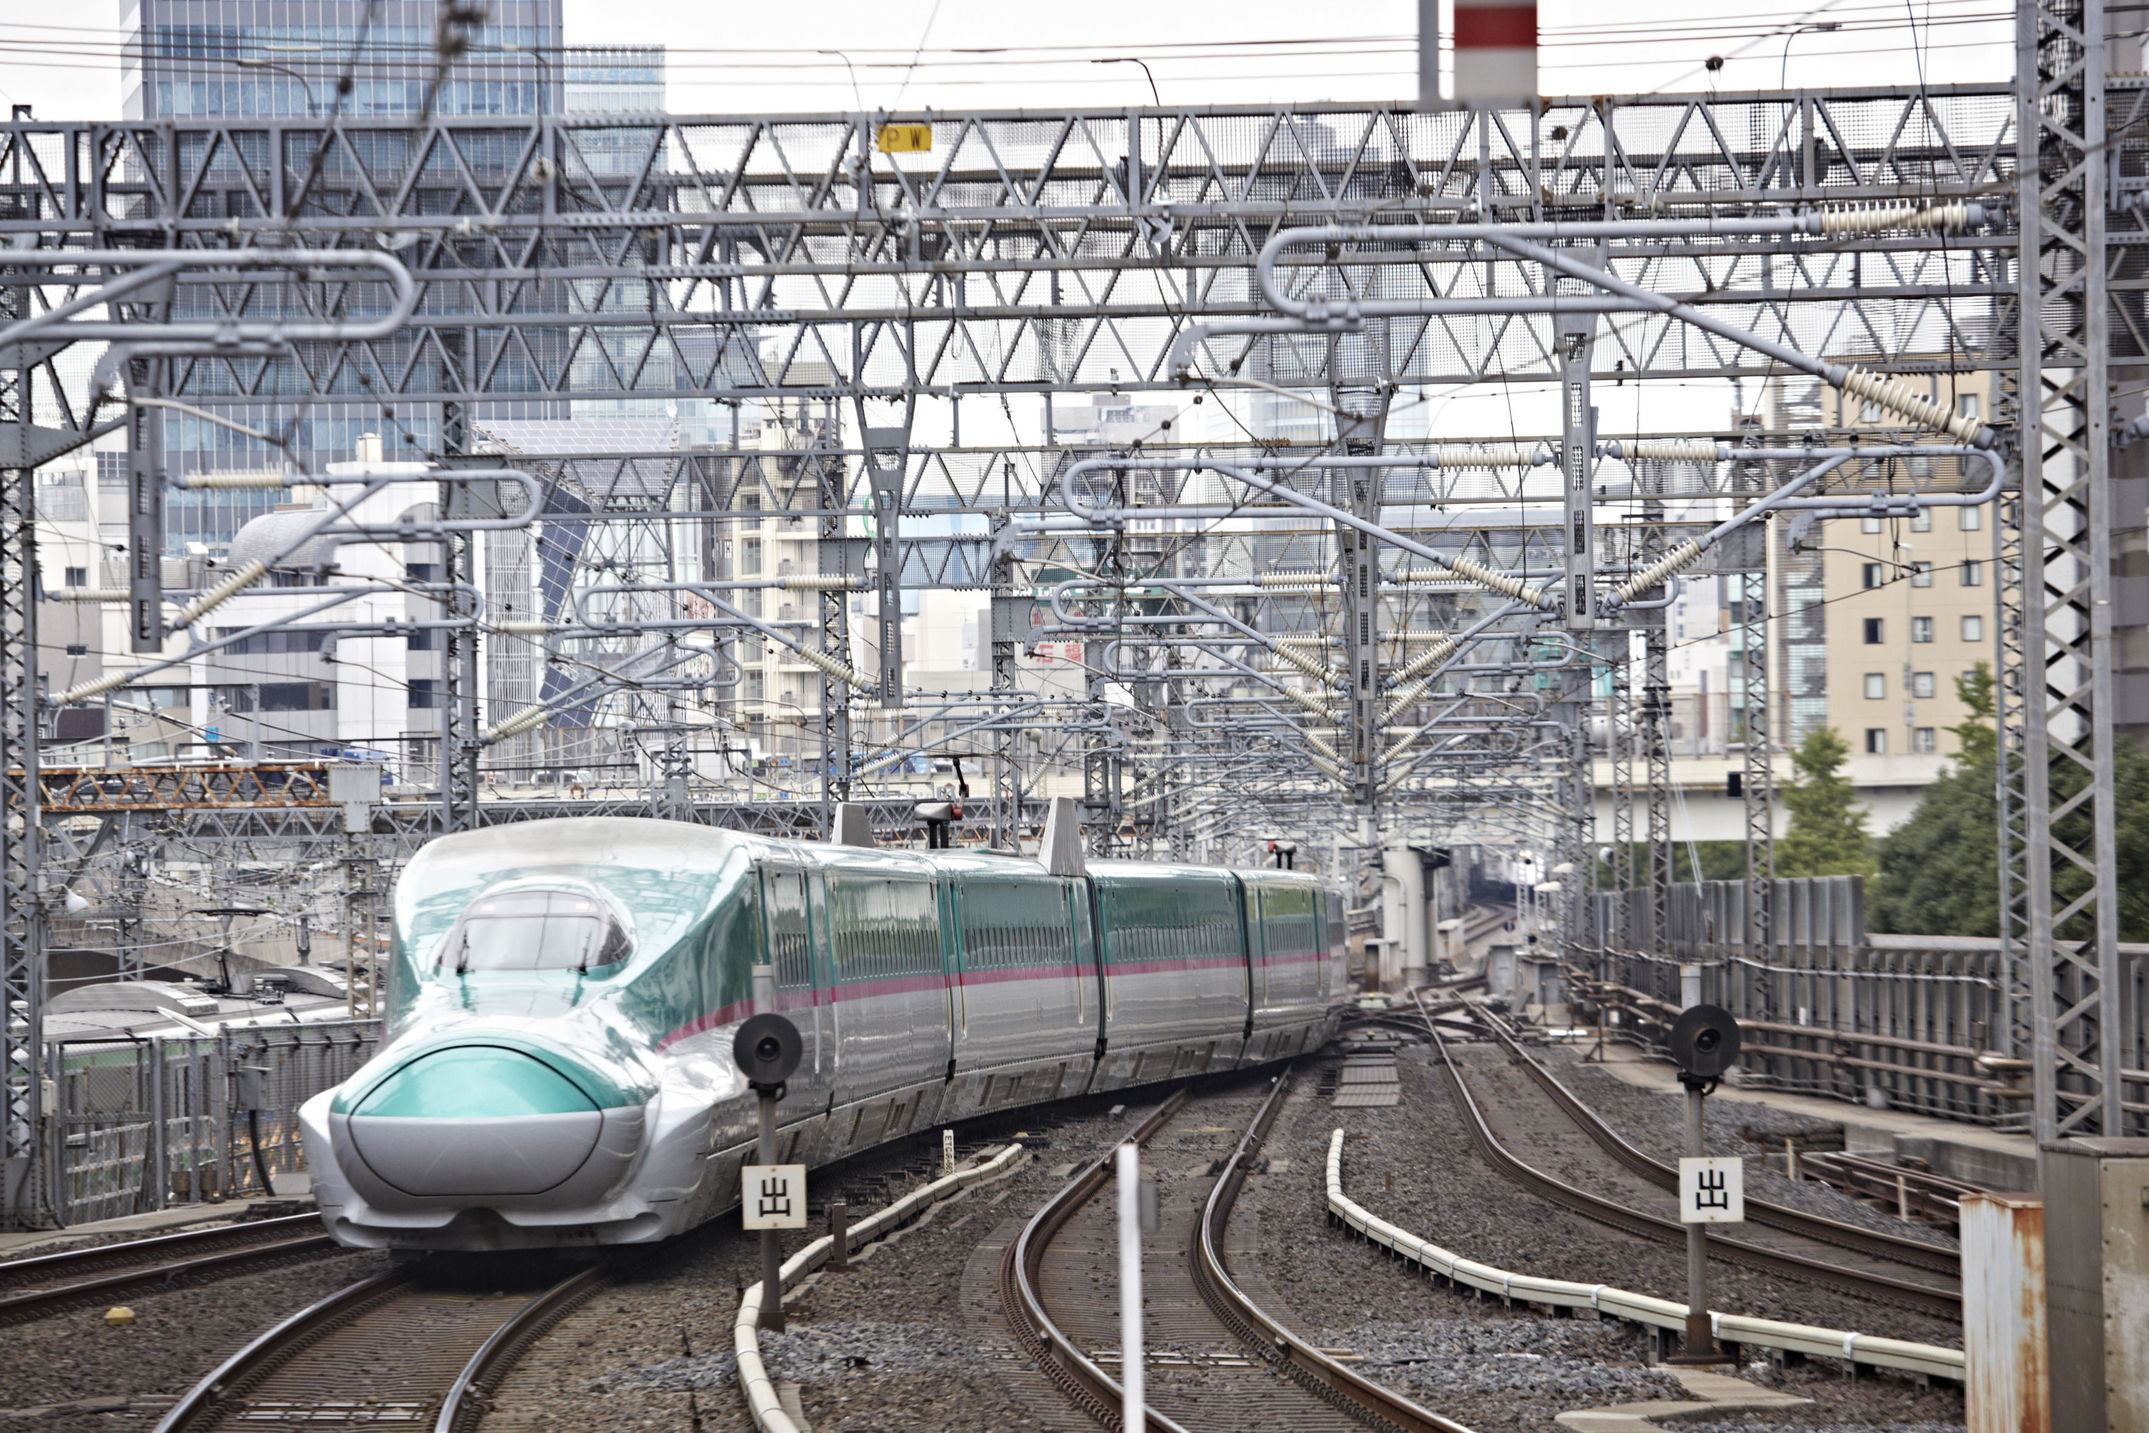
(284, 59)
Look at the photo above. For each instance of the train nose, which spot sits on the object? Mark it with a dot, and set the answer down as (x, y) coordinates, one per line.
(481, 1121)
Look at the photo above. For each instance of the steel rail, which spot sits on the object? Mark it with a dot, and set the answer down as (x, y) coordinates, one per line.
(1307, 1365)
(1878, 1287)
(31, 1288)
(470, 1397)
(464, 1401)
(198, 1404)
(1871, 1242)
(1092, 1390)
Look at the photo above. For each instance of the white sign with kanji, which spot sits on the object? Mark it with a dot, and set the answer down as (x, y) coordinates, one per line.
(1712, 1190)
(773, 1196)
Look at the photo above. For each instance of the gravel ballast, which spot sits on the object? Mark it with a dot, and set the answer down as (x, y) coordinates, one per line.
(1414, 1165)
(911, 1336)
(178, 1336)
(1655, 1123)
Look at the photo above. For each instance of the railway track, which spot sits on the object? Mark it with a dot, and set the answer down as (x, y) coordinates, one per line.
(1219, 1361)
(1503, 1115)
(1873, 1243)
(423, 1346)
(36, 1287)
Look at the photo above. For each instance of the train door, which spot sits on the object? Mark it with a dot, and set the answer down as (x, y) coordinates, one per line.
(1089, 986)
(792, 944)
(827, 1016)
(958, 958)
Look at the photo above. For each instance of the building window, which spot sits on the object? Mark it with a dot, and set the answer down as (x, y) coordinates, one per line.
(750, 555)
(1921, 629)
(1876, 686)
(1869, 525)
(1973, 573)
(1875, 627)
(424, 694)
(1876, 741)
(1923, 741)
(1922, 520)
(1921, 574)
(1870, 576)
(1969, 519)
(78, 577)
(756, 686)
(1922, 685)
(285, 697)
(1973, 629)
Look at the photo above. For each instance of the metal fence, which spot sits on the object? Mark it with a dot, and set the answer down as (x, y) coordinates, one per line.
(1912, 1021)
(140, 1124)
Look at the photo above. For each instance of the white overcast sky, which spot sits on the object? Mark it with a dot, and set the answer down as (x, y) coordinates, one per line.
(733, 57)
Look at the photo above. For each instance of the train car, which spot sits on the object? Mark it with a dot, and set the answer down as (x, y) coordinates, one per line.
(561, 997)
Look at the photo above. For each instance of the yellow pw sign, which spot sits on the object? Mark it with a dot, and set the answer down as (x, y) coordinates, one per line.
(905, 138)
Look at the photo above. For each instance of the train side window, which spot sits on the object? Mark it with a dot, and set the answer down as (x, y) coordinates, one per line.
(790, 941)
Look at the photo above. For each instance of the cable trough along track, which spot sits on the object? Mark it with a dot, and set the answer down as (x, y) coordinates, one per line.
(1806, 1256)
(407, 1347)
(1874, 1243)
(1217, 1360)
(35, 1287)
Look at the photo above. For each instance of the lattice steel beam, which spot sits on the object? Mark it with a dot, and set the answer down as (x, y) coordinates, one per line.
(2072, 886)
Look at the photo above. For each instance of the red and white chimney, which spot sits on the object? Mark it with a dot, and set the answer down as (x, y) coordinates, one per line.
(1495, 51)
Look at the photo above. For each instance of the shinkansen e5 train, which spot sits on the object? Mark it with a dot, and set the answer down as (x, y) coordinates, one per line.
(562, 995)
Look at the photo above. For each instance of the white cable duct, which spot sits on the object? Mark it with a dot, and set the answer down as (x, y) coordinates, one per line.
(758, 1389)
(1928, 1359)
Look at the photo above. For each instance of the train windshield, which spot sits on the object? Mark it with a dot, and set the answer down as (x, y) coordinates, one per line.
(535, 930)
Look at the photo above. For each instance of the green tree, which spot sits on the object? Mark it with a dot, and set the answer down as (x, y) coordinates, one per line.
(1827, 836)
(1939, 870)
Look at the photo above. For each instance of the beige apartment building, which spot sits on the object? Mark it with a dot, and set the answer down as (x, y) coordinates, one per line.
(1910, 606)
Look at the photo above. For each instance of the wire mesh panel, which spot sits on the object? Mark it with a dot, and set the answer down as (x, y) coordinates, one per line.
(100, 1128)
(1912, 1022)
(141, 1124)
(282, 1067)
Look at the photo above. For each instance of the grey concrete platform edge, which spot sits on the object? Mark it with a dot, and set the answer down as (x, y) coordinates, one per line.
(155, 1221)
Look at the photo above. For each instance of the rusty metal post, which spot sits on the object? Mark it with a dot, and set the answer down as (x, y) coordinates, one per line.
(2006, 1388)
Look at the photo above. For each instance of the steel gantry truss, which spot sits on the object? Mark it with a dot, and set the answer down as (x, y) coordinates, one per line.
(1326, 625)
